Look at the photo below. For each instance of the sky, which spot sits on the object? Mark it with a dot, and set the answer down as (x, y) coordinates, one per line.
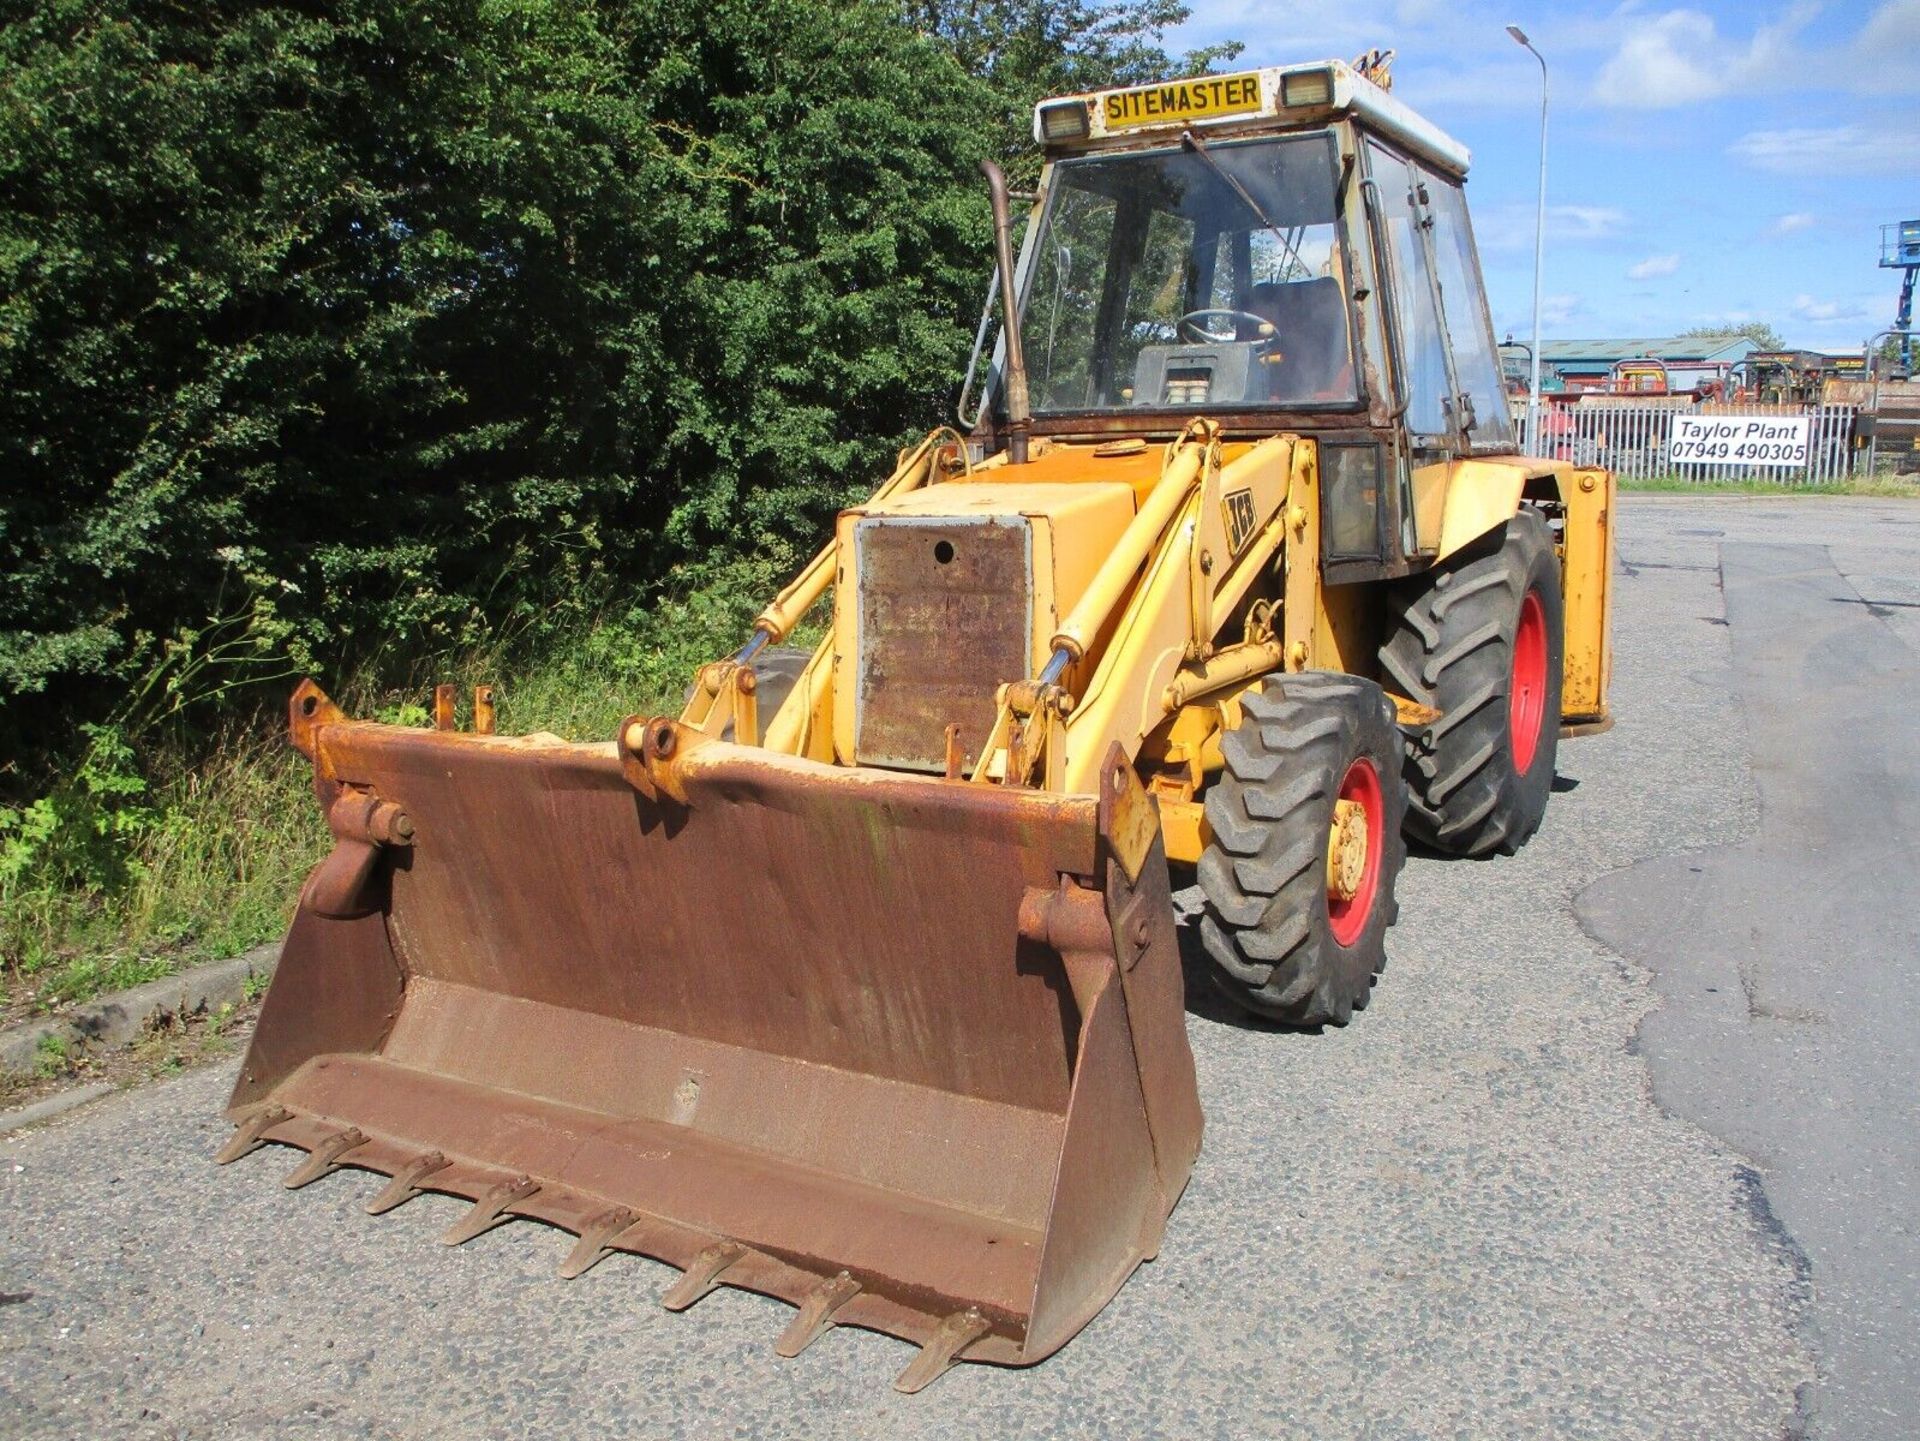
(1708, 163)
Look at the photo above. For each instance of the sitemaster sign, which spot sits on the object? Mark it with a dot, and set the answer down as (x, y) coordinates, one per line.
(1182, 100)
(1738, 440)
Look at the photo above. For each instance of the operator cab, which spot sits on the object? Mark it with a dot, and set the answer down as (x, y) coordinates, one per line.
(1285, 248)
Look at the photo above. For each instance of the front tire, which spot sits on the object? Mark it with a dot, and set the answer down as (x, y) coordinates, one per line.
(1480, 640)
(1299, 874)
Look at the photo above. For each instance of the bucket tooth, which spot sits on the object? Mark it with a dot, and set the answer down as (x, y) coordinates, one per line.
(816, 1314)
(405, 1184)
(324, 1158)
(703, 1275)
(943, 1348)
(596, 1241)
(247, 1136)
(490, 1210)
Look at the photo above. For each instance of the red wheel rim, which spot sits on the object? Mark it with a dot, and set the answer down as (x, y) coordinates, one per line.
(1527, 695)
(1348, 918)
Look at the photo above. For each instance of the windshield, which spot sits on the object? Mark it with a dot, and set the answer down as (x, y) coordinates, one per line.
(1180, 280)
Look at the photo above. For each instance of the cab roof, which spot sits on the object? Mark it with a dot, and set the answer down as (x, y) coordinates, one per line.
(1242, 101)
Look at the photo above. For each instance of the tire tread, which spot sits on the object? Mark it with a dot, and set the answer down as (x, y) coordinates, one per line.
(1265, 926)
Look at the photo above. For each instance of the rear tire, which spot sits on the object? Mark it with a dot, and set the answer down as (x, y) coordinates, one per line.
(1282, 945)
(1480, 640)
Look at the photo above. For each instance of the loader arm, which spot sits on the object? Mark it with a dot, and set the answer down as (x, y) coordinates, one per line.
(1155, 631)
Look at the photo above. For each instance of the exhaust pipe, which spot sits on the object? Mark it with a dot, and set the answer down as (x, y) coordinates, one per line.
(1018, 409)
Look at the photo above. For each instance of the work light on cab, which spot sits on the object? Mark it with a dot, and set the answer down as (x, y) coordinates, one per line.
(1058, 120)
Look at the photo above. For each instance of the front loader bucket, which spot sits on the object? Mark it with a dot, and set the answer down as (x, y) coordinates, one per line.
(907, 1053)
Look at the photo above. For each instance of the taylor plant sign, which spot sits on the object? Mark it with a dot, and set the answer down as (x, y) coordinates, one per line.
(1738, 440)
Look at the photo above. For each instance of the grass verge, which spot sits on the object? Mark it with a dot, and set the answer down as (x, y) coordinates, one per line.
(228, 828)
(191, 844)
(1898, 487)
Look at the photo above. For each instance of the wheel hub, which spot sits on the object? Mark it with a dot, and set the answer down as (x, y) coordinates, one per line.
(1527, 690)
(1347, 850)
(1355, 839)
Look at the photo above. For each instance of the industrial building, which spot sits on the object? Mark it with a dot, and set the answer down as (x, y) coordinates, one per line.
(1577, 365)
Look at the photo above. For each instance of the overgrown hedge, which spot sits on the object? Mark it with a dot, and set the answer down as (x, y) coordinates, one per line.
(396, 325)
(416, 319)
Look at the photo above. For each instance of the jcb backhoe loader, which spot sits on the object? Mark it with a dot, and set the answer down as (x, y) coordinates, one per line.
(857, 984)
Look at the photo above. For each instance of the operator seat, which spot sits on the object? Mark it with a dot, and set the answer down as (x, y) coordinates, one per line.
(1308, 357)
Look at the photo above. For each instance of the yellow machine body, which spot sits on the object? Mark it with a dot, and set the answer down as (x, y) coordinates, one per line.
(985, 570)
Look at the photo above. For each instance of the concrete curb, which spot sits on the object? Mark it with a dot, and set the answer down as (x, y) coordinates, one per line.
(120, 1019)
(57, 1104)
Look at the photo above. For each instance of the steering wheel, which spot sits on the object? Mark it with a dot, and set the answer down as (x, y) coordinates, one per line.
(1189, 325)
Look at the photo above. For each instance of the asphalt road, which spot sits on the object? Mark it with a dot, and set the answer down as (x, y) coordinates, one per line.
(1474, 1213)
(1791, 1022)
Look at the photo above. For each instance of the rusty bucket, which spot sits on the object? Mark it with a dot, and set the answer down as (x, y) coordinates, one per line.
(907, 1053)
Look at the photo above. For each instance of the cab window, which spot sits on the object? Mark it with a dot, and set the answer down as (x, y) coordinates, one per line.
(1188, 279)
(1476, 361)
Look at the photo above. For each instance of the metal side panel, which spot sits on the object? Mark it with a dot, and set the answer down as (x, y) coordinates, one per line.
(945, 617)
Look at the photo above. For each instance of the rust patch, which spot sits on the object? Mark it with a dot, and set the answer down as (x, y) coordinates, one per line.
(1129, 816)
(944, 619)
(308, 710)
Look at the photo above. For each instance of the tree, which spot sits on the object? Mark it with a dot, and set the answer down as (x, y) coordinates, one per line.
(1763, 335)
(422, 319)
(400, 323)
(1026, 50)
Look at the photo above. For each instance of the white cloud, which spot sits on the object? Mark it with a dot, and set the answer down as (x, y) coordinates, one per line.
(1840, 149)
(1559, 309)
(1675, 59)
(1884, 52)
(1583, 222)
(1509, 228)
(1807, 308)
(1497, 84)
(1790, 224)
(1309, 29)
(1652, 266)
(1680, 57)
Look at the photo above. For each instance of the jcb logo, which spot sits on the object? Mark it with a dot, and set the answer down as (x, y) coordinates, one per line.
(1239, 507)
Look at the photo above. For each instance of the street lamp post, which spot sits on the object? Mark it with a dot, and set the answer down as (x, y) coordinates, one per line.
(1539, 242)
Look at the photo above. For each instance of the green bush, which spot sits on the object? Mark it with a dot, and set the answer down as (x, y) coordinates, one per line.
(533, 341)
(51, 1056)
(430, 319)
